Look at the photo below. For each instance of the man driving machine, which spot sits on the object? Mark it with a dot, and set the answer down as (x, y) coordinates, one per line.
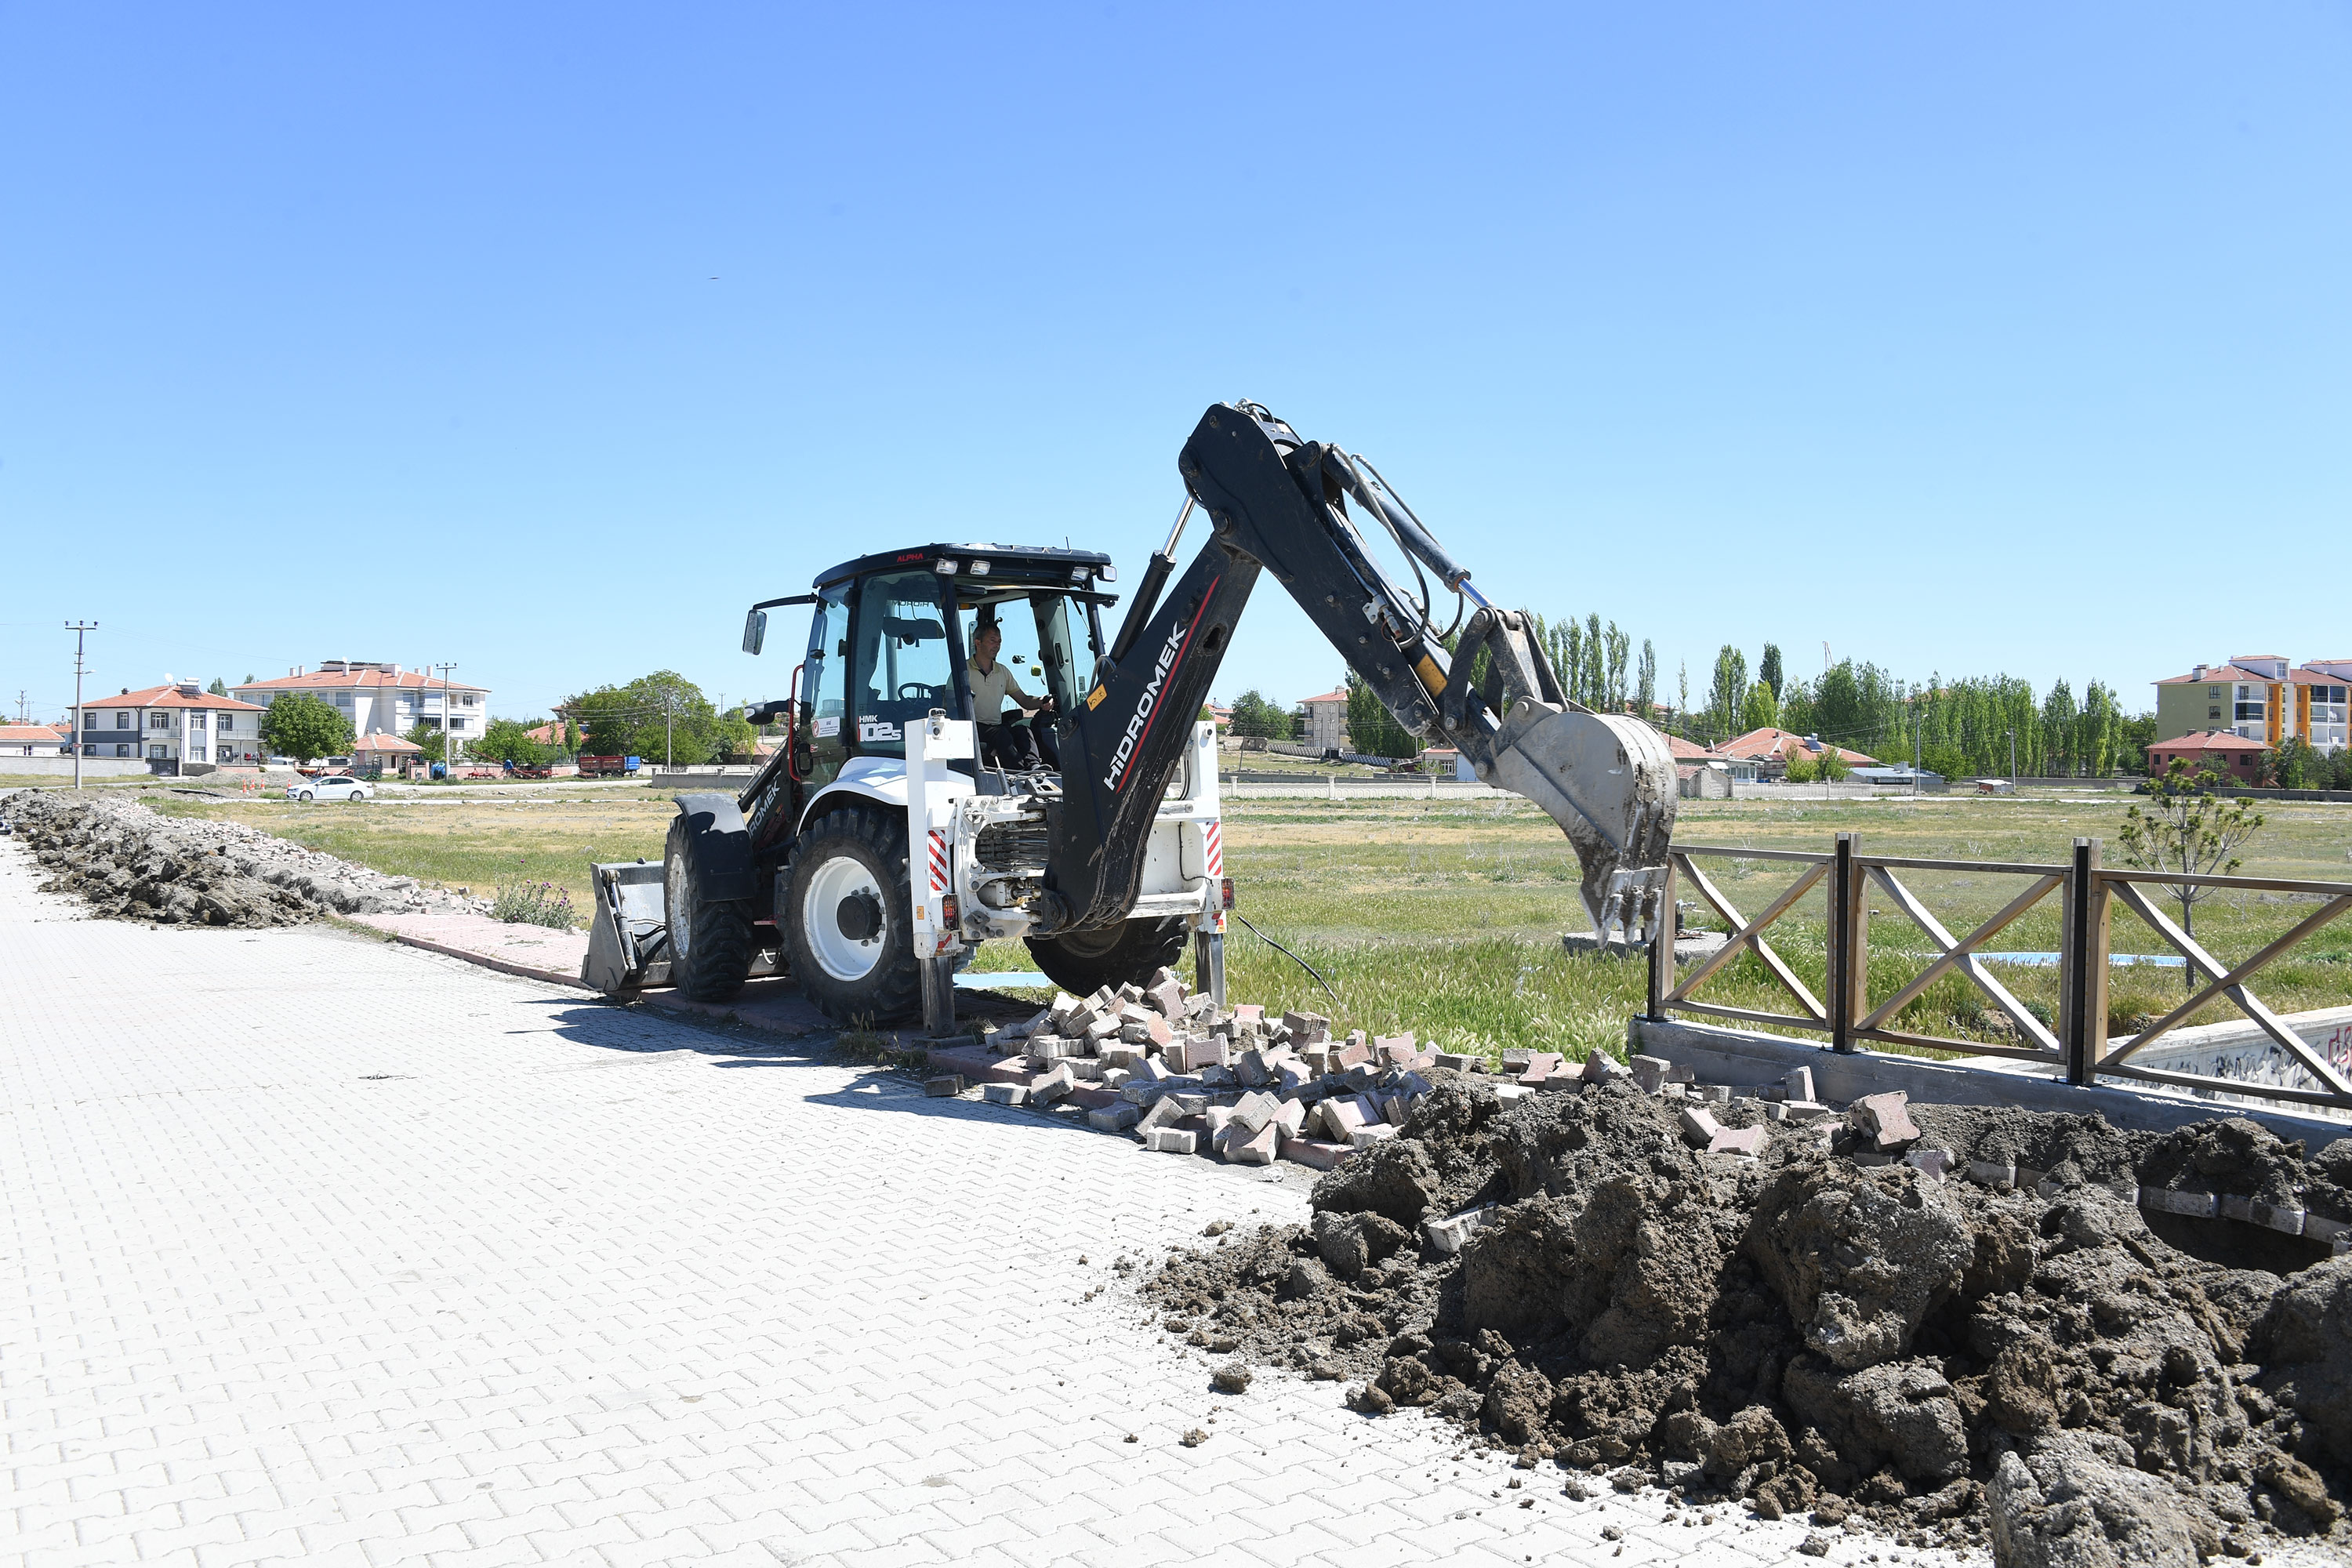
(990, 686)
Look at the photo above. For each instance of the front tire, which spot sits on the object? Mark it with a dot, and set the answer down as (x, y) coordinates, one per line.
(358, 795)
(1081, 961)
(845, 918)
(304, 795)
(710, 939)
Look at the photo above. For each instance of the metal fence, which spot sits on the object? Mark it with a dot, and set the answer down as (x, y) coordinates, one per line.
(2088, 893)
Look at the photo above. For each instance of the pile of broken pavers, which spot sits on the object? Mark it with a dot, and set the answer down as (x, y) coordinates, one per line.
(1187, 1077)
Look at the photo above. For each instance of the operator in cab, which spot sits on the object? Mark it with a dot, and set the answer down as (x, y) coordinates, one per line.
(990, 686)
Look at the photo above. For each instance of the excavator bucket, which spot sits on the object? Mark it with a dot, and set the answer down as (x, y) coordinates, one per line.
(628, 935)
(1609, 781)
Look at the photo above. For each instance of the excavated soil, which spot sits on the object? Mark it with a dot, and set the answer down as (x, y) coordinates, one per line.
(2030, 1368)
(128, 863)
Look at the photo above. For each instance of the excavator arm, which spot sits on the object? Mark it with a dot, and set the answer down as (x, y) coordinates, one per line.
(1280, 504)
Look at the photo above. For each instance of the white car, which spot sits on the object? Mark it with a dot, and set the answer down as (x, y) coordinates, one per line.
(330, 786)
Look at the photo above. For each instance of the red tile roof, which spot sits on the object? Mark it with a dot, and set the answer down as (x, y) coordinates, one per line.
(1341, 696)
(2210, 740)
(168, 697)
(335, 680)
(385, 744)
(2217, 673)
(2306, 676)
(548, 734)
(1767, 744)
(31, 735)
(1691, 751)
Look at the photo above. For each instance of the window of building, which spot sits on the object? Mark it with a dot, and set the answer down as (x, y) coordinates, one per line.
(456, 723)
(223, 723)
(2213, 691)
(121, 749)
(122, 720)
(196, 719)
(2214, 712)
(2250, 712)
(88, 721)
(196, 754)
(342, 698)
(159, 721)
(467, 699)
(159, 751)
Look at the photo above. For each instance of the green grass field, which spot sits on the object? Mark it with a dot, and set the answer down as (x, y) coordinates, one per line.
(1444, 917)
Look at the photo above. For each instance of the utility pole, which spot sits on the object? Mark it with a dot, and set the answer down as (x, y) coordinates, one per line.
(79, 629)
(448, 734)
(2013, 761)
(1916, 754)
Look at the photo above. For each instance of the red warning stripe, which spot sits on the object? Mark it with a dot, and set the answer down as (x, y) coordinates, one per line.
(939, 861)
(1216, 850)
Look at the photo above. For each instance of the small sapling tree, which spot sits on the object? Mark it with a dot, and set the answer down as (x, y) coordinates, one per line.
(2185, 830)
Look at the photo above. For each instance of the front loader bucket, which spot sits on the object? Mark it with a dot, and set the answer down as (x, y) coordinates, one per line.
(628, 936)
(1609, 781)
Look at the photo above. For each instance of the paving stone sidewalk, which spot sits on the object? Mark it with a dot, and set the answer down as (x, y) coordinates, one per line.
(323, 1250)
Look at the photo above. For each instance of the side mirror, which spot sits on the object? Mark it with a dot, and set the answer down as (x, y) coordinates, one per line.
(804, 759)
(755, 630)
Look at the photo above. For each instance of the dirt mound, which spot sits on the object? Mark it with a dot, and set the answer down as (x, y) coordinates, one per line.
(129, 863)
(2021, 1362)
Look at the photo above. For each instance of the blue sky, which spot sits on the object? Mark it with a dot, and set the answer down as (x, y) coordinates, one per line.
(544, 339)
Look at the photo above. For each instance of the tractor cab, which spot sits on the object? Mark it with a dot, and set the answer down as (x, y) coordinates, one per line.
(893, 635)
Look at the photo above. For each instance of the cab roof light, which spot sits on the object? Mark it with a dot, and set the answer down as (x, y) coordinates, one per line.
(979, 568)
(945, 566)
(1106, 572)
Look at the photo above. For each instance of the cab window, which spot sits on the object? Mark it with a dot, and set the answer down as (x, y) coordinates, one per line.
(900, 663)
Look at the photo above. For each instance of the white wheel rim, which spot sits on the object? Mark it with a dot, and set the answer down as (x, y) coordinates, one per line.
(681, 910)
(835, 951)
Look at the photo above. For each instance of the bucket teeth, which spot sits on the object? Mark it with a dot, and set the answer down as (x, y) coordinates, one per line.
(1609, 781)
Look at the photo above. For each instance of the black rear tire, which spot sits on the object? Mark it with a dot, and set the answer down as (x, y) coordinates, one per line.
(863, 848)
(1082, 961)
(710, 942)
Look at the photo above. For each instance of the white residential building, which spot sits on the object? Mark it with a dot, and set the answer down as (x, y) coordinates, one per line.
(383, 699)
(179, 721)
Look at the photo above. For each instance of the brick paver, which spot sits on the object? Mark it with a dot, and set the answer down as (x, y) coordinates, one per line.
(322, 1250)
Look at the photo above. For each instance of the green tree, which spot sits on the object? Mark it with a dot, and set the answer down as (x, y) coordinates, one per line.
(1255, 719)
(1763, 710)
(429, 740)
(1768, 669)
(659, 716)
(570, 737)
(508, 740)
(303, 727)
(1371, 728)
(219, 688)
(1727, 698)
(1645, 681)
(1797, 709)
(1831, 765)
(2183, 829)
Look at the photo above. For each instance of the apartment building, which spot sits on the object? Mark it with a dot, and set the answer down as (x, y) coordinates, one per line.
(1327, 722)
(178, 721)
(2259, 697)
(382, 698)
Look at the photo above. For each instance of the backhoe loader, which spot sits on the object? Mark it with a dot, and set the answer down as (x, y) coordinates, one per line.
(884, 841)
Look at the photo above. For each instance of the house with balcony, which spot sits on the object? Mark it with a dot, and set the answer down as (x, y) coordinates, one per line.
(174, 724)
(2258, 697)
(382, 698)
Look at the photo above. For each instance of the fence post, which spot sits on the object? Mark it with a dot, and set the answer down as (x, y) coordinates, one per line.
(1849, 965)
(2083, 1000)
(1661, 950)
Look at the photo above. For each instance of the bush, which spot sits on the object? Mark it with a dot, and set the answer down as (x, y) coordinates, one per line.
(534, 903)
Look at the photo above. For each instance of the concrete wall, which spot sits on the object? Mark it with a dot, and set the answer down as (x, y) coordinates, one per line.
(63, 767)
(1744, 1057)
